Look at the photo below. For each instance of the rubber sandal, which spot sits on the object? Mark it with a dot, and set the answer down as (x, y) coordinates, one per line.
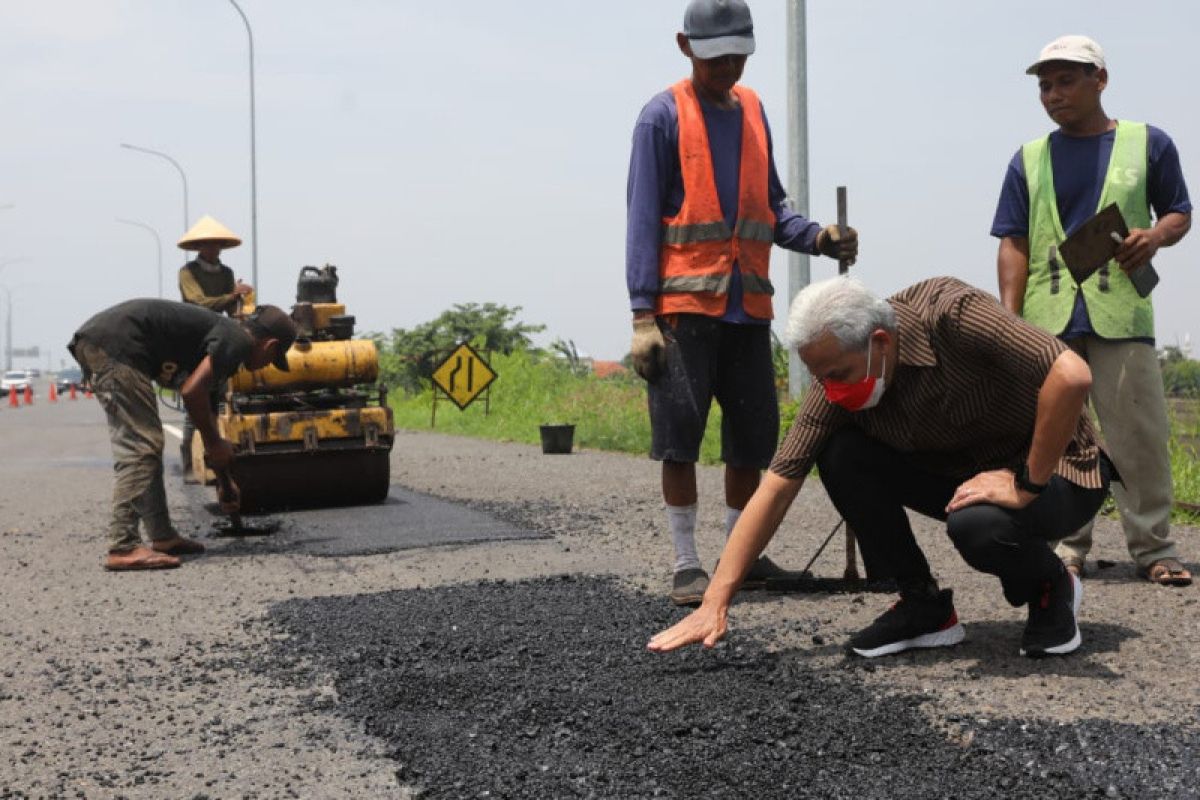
(141, 558)
(1168, 572)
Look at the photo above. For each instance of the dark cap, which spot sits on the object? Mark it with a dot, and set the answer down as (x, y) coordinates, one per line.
(272, 322)
(717, 28)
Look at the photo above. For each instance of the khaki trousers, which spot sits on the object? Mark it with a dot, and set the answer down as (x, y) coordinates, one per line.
(131, 404)
(1127, 396)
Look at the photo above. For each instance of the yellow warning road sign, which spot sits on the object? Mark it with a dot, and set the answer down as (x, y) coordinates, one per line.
(463, 375)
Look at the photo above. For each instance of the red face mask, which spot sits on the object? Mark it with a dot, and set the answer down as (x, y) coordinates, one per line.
(857, 396)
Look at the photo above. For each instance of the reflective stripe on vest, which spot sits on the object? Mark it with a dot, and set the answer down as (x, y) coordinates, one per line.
(698, 248)
(1114, 306)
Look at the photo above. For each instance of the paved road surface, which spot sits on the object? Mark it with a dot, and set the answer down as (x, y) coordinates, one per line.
(281, 667)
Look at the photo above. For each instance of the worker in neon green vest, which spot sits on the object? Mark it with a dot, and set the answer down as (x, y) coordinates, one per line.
(1053, 185)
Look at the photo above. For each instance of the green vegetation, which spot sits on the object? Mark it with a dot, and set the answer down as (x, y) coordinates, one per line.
(536, 388)
(1181, 376)
(1185, 453)
(556, 386)
(408, 357)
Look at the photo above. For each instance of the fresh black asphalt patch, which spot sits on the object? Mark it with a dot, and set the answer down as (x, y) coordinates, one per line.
(404, 521)
(544, 689)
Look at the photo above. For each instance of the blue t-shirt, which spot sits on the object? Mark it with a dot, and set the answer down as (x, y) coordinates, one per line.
(655, 190)
(1080, 164)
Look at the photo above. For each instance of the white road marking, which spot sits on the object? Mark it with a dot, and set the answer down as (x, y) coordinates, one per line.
(171, 429)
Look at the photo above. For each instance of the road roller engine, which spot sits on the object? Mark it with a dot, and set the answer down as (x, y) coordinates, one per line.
(321, 433)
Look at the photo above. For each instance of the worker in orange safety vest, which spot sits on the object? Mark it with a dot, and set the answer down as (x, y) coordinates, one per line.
(705, 204)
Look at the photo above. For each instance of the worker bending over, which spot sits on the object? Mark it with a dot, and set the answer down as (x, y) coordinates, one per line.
(121, 351)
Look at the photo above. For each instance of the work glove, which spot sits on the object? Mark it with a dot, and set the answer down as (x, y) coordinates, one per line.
(648, 351)
(830, 243)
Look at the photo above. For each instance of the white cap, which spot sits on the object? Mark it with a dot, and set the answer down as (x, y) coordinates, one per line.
(1079, 49)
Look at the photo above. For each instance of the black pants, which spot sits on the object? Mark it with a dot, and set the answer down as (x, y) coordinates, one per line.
(871, 484)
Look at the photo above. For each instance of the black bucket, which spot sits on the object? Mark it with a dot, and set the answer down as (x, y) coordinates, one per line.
(557, 438)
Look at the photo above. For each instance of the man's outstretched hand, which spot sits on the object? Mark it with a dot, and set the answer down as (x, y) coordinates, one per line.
(706, 625)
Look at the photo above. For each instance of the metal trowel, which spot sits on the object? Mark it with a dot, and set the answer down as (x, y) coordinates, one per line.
(229, 500)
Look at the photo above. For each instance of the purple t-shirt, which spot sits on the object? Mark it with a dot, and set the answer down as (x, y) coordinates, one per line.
(655, 190)
(1080, 164)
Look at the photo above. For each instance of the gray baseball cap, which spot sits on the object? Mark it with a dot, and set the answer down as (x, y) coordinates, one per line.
(719, 28)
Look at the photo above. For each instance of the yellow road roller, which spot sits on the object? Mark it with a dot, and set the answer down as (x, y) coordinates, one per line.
(321, 433)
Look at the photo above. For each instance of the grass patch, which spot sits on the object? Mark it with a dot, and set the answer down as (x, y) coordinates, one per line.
(1185, 454)
(610, 414)
(535, 389)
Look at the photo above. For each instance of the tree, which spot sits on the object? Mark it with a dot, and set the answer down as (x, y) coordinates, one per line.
(1171, 354)
(409, 357)
(1181, 378)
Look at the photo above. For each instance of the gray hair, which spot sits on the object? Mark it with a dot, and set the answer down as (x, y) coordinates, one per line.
(841, 306)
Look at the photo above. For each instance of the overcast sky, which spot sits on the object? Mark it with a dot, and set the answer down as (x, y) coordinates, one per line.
(470, 151)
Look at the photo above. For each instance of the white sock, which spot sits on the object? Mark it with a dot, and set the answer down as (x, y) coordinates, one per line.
(682, 522)
(731, 518)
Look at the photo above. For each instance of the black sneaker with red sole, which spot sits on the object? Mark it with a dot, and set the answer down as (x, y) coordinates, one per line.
(1053, 627)
(911, 622)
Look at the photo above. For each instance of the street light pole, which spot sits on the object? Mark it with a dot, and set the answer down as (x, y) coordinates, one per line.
(798, 266)
(7, 329)
(158, 244)
(8, 324)
(182, 175)
(253, 163)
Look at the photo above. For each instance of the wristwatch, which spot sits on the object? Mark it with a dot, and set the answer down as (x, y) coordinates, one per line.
(1026, 485)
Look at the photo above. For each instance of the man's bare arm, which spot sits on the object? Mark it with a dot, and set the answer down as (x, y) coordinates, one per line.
(1012, 268)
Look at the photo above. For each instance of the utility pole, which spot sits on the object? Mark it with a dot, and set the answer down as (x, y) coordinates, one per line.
(7, 329)
(798, 267)
(8, 315)
(253, 166)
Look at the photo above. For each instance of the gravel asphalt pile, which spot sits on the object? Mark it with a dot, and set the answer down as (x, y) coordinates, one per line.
(267, 669)
(541, 689)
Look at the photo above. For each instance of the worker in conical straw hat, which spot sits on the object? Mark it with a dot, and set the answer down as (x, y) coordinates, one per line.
(206, 282)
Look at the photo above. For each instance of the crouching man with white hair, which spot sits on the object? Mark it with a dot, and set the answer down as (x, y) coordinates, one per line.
(937, 400)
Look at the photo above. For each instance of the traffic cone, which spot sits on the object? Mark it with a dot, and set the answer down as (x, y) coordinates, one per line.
(53, 394)
(28, 395)
(73, 397)
(87, 393)
(12, 398)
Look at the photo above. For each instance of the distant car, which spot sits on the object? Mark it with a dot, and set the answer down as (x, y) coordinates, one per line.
(68, 378)
(15, 380)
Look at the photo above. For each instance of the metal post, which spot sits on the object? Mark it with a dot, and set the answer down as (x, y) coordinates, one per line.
(158, 244)
(8, 329)
(253, 166)
(8, 325)
(798, 267)
(182, 176)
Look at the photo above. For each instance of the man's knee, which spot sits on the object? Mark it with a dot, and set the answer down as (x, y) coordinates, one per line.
(977, 531)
